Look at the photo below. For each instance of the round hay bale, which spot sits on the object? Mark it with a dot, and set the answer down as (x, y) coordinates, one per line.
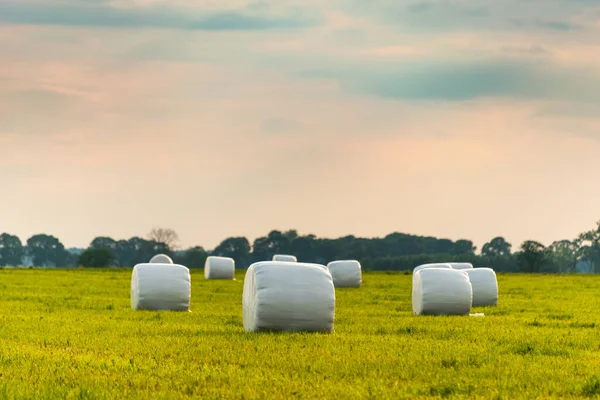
(281, 296)
(160, 287)
(485, 286)
(284, 257)
(441, 291)
(219, 268)
(161, 259)
(461, 265)
(345, 273)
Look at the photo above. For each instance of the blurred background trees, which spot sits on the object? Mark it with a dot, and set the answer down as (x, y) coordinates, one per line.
(396, 251)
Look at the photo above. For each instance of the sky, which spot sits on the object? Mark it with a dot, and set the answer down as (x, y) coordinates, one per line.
(451, 118)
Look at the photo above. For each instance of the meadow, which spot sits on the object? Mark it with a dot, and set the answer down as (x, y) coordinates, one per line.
(72, 334)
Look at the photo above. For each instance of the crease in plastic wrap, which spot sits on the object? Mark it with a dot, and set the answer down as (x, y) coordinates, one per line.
(280, 296)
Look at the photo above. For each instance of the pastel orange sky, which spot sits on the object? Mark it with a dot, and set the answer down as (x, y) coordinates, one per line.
(456, 119)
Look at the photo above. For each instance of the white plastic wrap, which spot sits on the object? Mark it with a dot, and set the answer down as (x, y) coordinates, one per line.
(345, 273)
(161, 259)
(219, 268)
(281, 296)
(434, 265)
(160, 287)
(485, 286)
(455, 265)
(440, 291)
(284, 257)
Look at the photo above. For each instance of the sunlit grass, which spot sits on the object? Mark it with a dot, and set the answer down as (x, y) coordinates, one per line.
(72, 334)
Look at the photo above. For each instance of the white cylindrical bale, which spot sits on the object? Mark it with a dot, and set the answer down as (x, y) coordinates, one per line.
(161, 259)
(485, 286)
(219, 268)
(345, 273)
(433, 265)
(456, 265)
(284, 257)
(280, 296)
(160, 287)
(441, 291)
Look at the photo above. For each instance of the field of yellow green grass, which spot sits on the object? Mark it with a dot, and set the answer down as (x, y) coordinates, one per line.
(72, 334)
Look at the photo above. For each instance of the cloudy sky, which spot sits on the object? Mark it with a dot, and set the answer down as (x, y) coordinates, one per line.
(452, 118)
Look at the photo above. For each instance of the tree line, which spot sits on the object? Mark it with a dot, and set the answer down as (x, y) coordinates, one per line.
(396, 251)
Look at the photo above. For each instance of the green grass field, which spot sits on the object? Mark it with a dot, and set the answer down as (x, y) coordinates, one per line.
(72, 334)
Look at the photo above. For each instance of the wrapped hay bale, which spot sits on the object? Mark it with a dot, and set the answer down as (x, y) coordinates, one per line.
(284, 257)
(161, 259)
(485, 286)
(280, 296)
(345, 273)
(461, 265)
(160, 287)
(440, 291)
(219, 268)
(434, 265)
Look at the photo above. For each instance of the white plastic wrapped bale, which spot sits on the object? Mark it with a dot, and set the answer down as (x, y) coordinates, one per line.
(435, 265)
(161, 259)
(485, 286)
(284, 257)
(345, 273)
(160, 287)
(441, 291)
(461, 265)
(219, 268)
(280, 296)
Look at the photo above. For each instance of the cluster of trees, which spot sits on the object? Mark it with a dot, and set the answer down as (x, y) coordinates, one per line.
(396, 251)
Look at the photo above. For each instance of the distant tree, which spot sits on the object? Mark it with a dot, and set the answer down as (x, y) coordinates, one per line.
(104, 242)
(463, 246)
(47, 250)
(194, 257)
(305, 248)
(138, 250)
(327, 250)
(11, 250)
(275, 242)
(125, 254)
(144, 250)
(442, 246)
(564, 255)
(533, 256)
(237, 248)
(96, 258)
(590, 247)
(498, 246)
(164, 235)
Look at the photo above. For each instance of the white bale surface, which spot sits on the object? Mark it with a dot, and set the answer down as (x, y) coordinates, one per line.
(160, 287)
(345, 273)
(461, 265)
(441, 291)
(219, 268)
(280, 296)
(434, 265)
(485, 286)
(161, 259)
(284, 257)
